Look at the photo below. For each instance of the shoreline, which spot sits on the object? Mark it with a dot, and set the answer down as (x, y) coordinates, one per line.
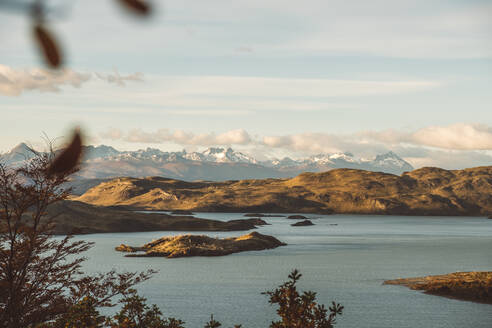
(473, 286)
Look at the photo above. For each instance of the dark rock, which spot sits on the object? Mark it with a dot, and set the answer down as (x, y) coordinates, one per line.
(254, 221)
(260, 215)
(181, 212)
(297, 217)
(302, 223)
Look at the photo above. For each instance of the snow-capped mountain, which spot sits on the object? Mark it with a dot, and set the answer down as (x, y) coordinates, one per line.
(391, 162)
(99, 151)
(220, 155)
(211, 164)
(17, 155)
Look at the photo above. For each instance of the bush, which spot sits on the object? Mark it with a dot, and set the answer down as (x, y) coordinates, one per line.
(301, 310)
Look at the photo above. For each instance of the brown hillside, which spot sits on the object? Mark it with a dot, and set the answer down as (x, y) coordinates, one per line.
(80, 218)
(426, 191)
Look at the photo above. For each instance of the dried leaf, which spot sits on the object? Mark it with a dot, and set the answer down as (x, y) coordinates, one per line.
(48, 46)
(69, 157)
(140, 7)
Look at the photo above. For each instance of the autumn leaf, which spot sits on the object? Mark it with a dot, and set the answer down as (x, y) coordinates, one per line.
(48, 46)
(140, 7)
(69, 157)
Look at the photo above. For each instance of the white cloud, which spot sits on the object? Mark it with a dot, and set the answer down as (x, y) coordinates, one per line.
(286, 87)
(452, 147)
(120, 80)
(240, 95)
(14, 82)
(459, 136)
(112, 134)
(232, 137)
(454, 137)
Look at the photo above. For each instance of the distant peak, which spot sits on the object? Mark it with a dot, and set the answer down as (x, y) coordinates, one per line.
(21, 148)
(389, 154)
(214, 150)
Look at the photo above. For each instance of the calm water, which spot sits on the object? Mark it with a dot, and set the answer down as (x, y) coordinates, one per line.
(346, 262)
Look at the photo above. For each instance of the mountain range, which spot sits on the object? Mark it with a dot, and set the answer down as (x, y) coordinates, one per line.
(213, 164)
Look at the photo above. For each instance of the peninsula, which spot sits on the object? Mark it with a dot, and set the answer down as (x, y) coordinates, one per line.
(467, 286)
(81, 218)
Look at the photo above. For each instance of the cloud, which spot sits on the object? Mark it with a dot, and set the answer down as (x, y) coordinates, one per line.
(459, 136)
(267, 87)
(454, 146)
(232, 137)
(112, 134)
(452, 137)
(14, 82)
(209, 94)
(120, 80)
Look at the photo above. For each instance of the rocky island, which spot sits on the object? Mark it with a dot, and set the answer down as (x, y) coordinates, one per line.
(466, 286)
(302, 223)
(201, 245)
(261, 215)
(297, 217)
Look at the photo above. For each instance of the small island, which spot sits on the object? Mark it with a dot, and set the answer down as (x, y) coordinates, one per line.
(302, 223)
(466, 286)
(261, 215)
(201, 245)
(297, 217)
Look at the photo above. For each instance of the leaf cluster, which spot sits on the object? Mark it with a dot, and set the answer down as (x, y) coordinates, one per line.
(298, 310)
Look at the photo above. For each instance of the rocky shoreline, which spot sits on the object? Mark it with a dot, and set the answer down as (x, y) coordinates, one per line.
(201, 245)
(467, 286)
(72, 217)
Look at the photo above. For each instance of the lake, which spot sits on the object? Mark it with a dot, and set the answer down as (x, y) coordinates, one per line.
(344, 258)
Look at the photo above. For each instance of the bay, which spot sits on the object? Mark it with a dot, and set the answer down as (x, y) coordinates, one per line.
(344, 258)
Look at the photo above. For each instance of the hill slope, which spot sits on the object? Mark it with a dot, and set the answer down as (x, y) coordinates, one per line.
(426, 191)
(79, 218)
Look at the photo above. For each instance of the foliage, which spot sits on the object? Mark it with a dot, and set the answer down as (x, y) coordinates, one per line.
(212, 323)
(301, 310)
(41, 277)
(135, 313)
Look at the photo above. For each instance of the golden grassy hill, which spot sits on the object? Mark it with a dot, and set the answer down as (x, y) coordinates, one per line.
(426, 191)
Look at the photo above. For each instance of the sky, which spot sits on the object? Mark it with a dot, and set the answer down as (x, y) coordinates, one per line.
(270, 78)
